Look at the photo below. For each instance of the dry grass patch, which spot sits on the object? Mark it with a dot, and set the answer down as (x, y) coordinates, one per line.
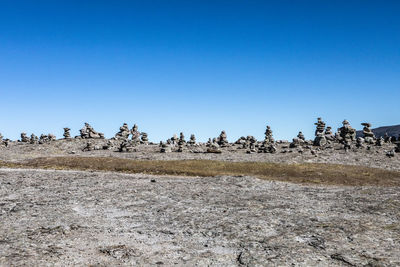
(332, 174)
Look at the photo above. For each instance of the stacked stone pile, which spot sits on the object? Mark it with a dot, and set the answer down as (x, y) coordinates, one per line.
(329, 134)
(87, 132)
(269, 139)
(241, 141)
(127, 146)
(380, 141)
(181, 139)
(320, 139)
(192, 140)
(89, 147)
(369, 136)
(300, 136)
(174, 139)
(252, 142)
(397, 149)
(347, 134)
(67, 133)
(123, 133)
(24, 138)
(268, 143)
(135, 134)
(145, 139)
(165, 148)
(34, 139)
(222, 140)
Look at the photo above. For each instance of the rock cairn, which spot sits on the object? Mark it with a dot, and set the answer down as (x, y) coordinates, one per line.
(380, 141)
(397, 148)
(320, 139)
(329, 134)
(268, 143)
(145, 139)
(369, 136)
(67, 133)
(174, 139)
(46, 138)
(165, 148)
(182, 139)
(135, 134)
(34, 139)
(387, 138)
(123, 133)
(360, 142)
(251, 141)
(222, 140)
(24, 138)
(300, 136)
(347, 134)
(192, 140)
(127, 146)
(269, 139)
(87, 132)
(89, 147)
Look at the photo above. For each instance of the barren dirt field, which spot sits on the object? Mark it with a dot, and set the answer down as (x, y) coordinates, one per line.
(60, 206)
(92, 218)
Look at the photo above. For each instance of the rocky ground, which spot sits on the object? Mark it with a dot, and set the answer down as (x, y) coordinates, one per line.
(107, 219)
(375, 157)
(69, 218)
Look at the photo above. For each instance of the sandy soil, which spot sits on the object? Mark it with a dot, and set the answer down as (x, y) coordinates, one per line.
(106, 219)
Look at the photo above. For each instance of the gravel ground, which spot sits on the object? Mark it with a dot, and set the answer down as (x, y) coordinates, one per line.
(375, 157)
(106, 219)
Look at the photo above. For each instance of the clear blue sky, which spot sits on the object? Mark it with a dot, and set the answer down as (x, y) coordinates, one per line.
(198, 66)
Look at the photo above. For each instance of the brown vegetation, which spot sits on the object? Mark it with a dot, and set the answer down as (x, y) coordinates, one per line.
(331, 174)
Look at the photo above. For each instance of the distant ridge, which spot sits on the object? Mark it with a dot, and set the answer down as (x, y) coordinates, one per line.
(380, 131)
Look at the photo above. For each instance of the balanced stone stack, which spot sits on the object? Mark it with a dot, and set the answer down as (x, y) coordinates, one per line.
(24, 138)
(397, 149)
(123, 133)
(320, 139)
(145, 139)
(174, 139)
(89, 147)
(34, 139)
(192, 140)
(369, 136)
(300, 136)
(52, 137)
(44, 139)
(67, 134)
(360, 142)
(269, 139)
(241, 141)
(380, 141)
(268, 143)
(135, 134)
(387, 138)
(329, 135)
(298, 141)
(222, 140)
(347, 134)
(165, 148)
(87, 132)
(127, 146)
(182, 139)
(252, 141)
